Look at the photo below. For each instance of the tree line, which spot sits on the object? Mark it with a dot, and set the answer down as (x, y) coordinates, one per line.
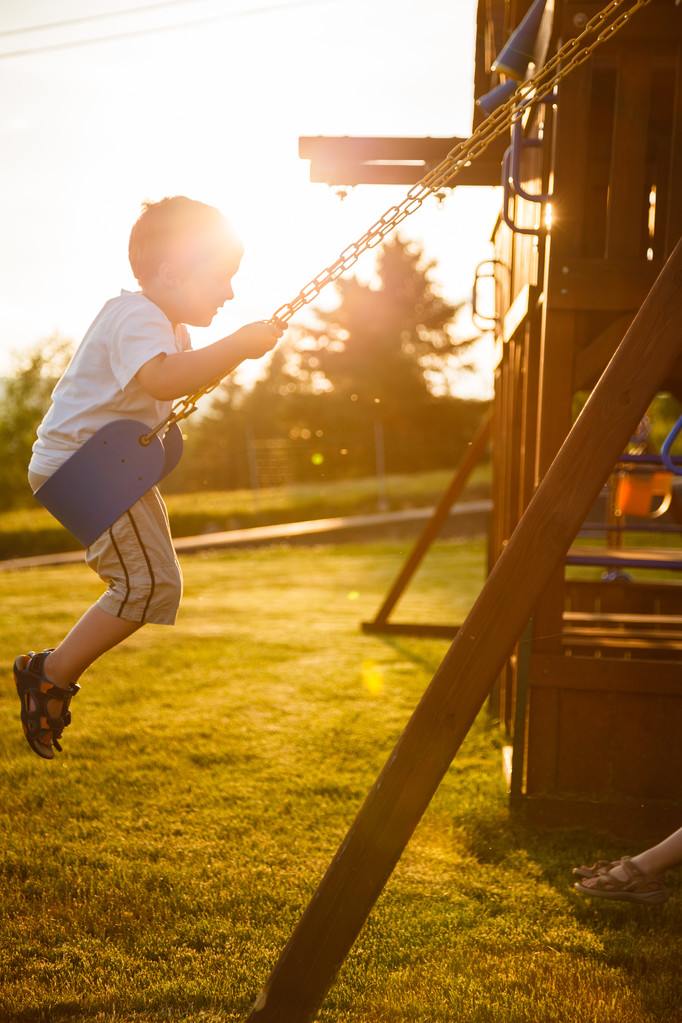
(367, 386)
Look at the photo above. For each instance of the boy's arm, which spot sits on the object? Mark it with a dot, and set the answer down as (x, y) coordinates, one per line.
(167, 377)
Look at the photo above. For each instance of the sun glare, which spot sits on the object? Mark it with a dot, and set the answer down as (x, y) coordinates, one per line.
(215, 112)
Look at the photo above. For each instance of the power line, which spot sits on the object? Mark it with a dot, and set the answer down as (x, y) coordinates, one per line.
(90, 17)
(116, 37)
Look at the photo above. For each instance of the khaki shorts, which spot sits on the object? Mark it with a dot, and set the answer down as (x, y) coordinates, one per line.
(136, 559)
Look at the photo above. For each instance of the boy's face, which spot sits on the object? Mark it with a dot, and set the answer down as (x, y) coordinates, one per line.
(198, 274)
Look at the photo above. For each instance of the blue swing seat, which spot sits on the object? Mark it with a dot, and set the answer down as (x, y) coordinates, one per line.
(107, 475)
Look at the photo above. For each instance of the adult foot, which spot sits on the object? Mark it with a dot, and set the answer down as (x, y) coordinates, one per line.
(626, 883)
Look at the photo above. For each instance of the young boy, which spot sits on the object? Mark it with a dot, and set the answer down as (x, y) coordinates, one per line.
(133, 362)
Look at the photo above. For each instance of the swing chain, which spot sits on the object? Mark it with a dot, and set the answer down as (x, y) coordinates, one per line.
(570, 56)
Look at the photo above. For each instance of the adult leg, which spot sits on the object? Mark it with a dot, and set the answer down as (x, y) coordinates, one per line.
(660, 857)
(638, 879)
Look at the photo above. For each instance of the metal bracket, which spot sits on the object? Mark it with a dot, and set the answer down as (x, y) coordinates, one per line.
(511, 178)
(489, 322)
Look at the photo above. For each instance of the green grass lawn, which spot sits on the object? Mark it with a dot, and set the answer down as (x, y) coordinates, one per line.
(155, 870)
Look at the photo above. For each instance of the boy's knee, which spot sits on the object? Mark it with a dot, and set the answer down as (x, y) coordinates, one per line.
(165, 599)
(135, 558)
(150, 597)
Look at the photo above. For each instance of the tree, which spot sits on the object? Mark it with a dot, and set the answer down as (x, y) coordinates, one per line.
(365, 371)
(25, 400)
(383, 340)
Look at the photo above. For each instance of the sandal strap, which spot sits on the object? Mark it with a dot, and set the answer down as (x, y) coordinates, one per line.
(637, 876)
(34, 687)
(636, 881)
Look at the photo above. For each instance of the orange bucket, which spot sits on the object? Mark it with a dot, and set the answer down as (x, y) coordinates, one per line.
(644, 496)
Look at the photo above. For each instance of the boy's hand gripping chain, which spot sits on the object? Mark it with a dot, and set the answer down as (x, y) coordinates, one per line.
(572, 54)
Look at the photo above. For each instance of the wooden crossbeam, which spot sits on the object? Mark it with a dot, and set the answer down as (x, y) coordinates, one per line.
(368, 160)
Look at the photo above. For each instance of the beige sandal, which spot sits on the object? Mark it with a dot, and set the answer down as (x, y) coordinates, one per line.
(600, 867)
(638, 887)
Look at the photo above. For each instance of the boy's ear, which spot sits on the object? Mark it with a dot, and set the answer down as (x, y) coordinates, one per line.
(168, 274)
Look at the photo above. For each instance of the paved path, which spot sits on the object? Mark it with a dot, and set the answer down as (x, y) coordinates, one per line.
(330, 529)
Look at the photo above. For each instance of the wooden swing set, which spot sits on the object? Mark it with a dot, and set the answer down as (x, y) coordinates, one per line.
(531, 550)
(123, 460)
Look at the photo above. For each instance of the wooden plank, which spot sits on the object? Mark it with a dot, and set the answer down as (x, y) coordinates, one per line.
(628, 188)
(647, 756)
(531, 384)
(653, 644)
(593, 285)
(424, 752)
(570, 162)
(480, 173)
(555, 406)
(627, 557)
(348, 160)
(517, 312)
(606, 674)
(542, 738)
(674, 621)
(651, 25)
(585, 737)
(661, 597)
(569, 165)
(367, 148)
(514, 428)
(673, 227)
(489, 39)
(410, 629)
(626, 817)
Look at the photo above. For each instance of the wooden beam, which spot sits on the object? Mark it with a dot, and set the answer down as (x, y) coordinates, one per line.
(410, 629)
(628, 189)
(674, 217)
(518, 311)
(467, 464)
(598, 284)
(415, 768)
(652, 24)
(606, 675)
(371, 160)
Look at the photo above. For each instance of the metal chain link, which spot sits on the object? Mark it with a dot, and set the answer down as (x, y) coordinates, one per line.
(570, 56)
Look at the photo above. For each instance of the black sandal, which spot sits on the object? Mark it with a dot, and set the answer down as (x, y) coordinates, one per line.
(44, 706)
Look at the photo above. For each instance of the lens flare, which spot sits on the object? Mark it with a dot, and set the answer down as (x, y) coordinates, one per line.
(372, 678)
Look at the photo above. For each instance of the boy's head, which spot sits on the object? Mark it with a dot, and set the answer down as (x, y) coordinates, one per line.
(184, 254)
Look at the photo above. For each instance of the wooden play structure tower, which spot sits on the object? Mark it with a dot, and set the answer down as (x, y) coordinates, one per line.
(592, 696)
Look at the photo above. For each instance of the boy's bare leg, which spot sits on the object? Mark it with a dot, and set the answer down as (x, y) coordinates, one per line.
(95, 633)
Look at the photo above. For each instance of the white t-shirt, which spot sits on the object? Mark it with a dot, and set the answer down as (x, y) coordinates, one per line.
(99, 383)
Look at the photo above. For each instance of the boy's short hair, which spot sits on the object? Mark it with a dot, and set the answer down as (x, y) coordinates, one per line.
(162, 222)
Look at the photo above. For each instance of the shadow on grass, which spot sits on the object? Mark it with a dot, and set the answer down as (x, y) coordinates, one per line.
(424, 653)
(635, 946)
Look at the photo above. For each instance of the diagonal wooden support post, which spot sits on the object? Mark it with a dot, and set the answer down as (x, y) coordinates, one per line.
(393, 808)
(468, 463)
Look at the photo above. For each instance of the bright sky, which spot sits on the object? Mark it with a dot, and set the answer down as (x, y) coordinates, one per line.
(207, 98)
